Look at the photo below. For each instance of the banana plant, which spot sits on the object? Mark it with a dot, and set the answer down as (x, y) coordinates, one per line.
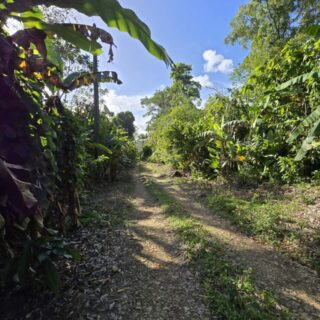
(17, 52)
(39, 67)
(310, 126)
(27, 65)
(311, 123)
(84, 37)
(110, 11)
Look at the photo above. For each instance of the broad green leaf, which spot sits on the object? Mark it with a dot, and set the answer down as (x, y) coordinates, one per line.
(313, 31)
(300, 79)
(306, 146)
(114, 15)
(66, 32)
(100, 147)
(53, 56)
(307, 122)
(78, 79)
(315, 131)
(308, 143)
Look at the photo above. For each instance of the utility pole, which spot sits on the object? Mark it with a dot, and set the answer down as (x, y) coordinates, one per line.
(96, 110)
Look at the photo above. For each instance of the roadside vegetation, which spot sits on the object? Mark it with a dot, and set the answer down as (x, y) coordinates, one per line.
(263, 129)
(55, 144)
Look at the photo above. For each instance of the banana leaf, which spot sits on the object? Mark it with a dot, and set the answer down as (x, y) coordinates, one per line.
(17, 193)
(111, 12)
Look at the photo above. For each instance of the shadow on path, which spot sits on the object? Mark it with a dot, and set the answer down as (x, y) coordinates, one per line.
(296, 286)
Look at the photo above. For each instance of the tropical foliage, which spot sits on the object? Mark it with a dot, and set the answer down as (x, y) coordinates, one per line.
(267, 127)
(47, 153)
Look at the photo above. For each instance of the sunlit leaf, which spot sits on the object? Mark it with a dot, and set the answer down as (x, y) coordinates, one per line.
(313, 75)
(114, 15)
(66, 32)
(306, 123)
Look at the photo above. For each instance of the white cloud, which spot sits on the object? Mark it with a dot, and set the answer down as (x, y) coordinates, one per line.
(118, 103)
(217, 62)
(204, 81)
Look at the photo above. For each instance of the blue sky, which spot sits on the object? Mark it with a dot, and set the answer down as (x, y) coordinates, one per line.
(192, 31)
(188, 29)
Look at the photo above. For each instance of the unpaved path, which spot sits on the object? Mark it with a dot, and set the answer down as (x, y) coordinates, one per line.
(297, 287)
(132, 272)
(162, 285)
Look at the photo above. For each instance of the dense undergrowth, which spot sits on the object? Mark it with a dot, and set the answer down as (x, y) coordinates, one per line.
(105, 209)
(99, 212)
(54, 145)
(266, 127)
(231, 292)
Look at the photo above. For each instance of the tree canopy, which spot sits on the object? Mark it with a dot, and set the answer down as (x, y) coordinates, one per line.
(125, 120)
(266, 25)
(183, 90)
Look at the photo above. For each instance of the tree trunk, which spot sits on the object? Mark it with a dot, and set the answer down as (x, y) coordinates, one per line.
(96, 104)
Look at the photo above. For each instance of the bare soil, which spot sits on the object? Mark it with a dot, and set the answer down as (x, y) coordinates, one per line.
(297, 286)
(138, 270)
(163, 286)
